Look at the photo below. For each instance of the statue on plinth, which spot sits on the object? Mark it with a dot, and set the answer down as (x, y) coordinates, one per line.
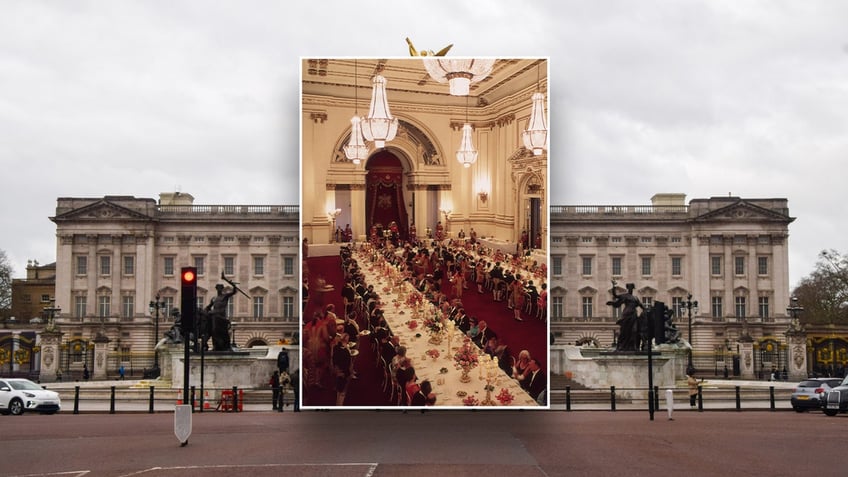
(630, 323)
(213, 319)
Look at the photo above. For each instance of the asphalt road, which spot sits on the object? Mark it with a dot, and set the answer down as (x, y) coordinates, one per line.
(436, 443)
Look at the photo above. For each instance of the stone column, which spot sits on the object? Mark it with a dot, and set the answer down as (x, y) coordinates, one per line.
(50, 355)
(796, 341)
(101, 352)
(746, 360)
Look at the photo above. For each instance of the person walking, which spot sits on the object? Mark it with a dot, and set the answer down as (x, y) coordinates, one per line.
(693, 389)
(275, 390)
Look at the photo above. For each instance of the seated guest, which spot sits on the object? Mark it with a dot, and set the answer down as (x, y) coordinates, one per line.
(520, 369)
(500, 351)
(425, 395)
(483, 334)
(473, 328)
(535, 380)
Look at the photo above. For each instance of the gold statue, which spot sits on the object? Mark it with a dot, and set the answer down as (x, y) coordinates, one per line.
(414, 52)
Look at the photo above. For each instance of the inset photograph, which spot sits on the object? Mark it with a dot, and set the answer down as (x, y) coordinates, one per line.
(424, 217)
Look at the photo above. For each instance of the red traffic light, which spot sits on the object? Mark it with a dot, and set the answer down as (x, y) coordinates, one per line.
(189, 276)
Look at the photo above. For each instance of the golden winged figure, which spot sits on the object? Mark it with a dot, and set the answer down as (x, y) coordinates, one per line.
(414, 52)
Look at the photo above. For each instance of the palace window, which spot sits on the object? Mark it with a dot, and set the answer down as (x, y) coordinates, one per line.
(104, 306)
(80, 303)
(168, 266)
(199, 263)
(82, 265)
(646, 266)
(556, 307)
(739, 265)
(105, 265)
(676, 266)
(288, 266)
(127, 306)
(259, 265)
(616, 266)
(715, 265)
(764, 307)
(587, 265)
(716, 307)
(677, 306)
(288, 307)
(129, 265)
(741, 307)
(229, 265)
(587, 307)
(762, 265)
(556, 266)
(258, 306)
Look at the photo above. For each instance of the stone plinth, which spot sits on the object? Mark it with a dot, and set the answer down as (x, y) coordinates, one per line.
(628, 372)
(247, 369)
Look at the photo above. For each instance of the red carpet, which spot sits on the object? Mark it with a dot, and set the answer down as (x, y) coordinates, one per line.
(530, 334)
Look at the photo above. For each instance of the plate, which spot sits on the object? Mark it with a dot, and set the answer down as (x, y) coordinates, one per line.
(364, 332)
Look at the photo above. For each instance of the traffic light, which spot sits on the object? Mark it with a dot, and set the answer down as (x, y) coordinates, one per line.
(188, 299)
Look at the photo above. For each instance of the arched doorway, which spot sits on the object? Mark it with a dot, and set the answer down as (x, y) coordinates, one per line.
(384, 202)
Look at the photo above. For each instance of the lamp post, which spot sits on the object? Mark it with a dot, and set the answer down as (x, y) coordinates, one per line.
(52, 310)
(155, 306)
(794, 310)
(689, 305)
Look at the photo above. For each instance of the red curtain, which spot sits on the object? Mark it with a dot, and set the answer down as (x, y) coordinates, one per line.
(384, 195)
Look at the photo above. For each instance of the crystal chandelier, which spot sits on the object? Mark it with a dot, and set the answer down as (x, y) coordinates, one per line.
(536, 135)
(459, 73)
(379, 126)
(356, 150)
(466, 155)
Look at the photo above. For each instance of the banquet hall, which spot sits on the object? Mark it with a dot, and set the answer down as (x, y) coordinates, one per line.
(424, 206)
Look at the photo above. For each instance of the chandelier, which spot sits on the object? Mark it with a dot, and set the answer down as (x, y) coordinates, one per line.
(466, 155)
(379, 126)
(536, 135)
(356, 150)
(459, 73)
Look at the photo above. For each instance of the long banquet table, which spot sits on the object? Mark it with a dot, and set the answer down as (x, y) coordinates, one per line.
(441, 371)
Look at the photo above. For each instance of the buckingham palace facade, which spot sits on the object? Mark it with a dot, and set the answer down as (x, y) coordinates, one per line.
(118, 255)
(729, 254)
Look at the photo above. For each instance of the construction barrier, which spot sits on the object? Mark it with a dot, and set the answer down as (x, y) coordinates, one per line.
(226, 402)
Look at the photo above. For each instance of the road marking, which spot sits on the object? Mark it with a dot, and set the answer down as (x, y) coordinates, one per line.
(70, 472)
(372, 467)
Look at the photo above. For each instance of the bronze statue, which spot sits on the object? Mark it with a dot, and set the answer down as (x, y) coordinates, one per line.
(630, 331)
(213, 320)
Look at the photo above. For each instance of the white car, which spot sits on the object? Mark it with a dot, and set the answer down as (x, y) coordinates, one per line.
(22, 395)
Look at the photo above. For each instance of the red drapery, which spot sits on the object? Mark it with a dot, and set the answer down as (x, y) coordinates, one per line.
(384, 196)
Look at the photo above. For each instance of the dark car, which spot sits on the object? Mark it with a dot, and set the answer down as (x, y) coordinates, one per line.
(836, 400)
(809, 393)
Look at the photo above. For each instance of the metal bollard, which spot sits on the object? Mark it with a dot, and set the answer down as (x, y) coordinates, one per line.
(700, 398)
(657, 398)
(612, 398)
(150, 401)
(192, 398)
(568, 398)
(771, 397)
(112, 400)
(738, 398)
(669, 403)
(235, 399)
(76, 399)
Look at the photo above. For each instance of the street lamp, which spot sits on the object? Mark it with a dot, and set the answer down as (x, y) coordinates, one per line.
(52, 310)
(155, 306)
(794, 310)
(689, 305)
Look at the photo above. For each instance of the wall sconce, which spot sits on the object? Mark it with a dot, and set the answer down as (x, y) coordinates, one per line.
(484, 196)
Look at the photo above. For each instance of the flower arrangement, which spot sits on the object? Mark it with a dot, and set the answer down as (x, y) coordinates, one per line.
(433, 353)
(505, 397)
(412, 324)
(433, 325)
(470, 401)
(466, 357)
(415, 300)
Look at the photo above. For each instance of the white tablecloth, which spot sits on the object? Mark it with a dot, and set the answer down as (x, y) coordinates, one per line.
(427, 368)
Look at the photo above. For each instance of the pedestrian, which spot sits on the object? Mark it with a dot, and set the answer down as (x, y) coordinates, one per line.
(121, 372)
(85, 372)
(726, 372)
(275, 390)
(283, 361)
(295, 384)
(693, 389)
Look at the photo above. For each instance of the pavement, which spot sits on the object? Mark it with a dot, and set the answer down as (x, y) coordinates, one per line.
(449, 442)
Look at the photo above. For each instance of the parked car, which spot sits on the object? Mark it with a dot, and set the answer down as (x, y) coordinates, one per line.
(22, 395)
(810, 393)
(836, 400)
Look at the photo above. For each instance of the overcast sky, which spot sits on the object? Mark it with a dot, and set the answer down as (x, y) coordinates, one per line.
(701, 97)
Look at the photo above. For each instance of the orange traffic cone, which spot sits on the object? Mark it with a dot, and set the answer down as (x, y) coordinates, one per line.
(206, 400)
(179, 397)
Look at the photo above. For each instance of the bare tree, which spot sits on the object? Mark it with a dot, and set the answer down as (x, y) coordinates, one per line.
(5, 282)
(824, 293)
